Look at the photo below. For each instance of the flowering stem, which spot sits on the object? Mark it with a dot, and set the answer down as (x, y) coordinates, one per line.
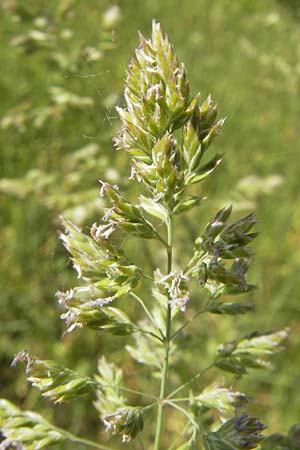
(141, 330)
(179, 438)
(167, 340)
(141, 443)
(149, 315)
(176, 333)
(71, 437)
(131, 391)
(183, 411)
(191, 380)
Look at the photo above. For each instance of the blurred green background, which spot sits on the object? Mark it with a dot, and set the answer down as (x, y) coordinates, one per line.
(62, 69)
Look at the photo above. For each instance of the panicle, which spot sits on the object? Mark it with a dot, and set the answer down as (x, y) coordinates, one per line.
(54, 381)
(25, 429)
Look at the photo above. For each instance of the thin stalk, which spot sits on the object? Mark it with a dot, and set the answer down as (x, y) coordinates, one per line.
(160, 238)
(141, 443)
(150, 406)
(71, 437)
(131, 391)
(178, 438)
(183, 411)
(163, 386)
(177, 332)
(167, 340)
(191, 380)
(190, 263)
(148, 277)
(148, 313)
(197, 258)
(150, 259)
(150, 333)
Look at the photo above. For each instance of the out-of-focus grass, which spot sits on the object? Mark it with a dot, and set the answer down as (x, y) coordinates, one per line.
(57, 90)
(247, 55)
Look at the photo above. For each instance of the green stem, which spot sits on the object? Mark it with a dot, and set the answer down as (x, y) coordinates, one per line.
(141, 330)
(191, 380)
(176, 441)
(148, 313)
(196, 258)
(141, 443)
(71, 437)
(183, 411)
(150, 406)
(148, 277)
(125, 389)
(167, 340)
(174, 335)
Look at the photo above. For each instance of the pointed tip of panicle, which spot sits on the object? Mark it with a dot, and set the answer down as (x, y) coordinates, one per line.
(156, 25)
